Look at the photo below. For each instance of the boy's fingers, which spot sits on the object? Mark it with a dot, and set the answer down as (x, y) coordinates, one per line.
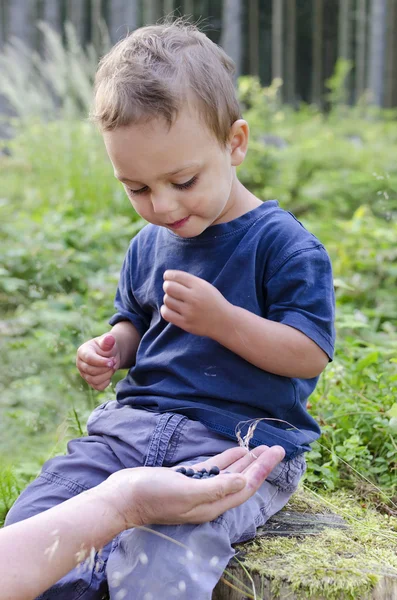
(181, 277)
(103, 386)
(106, 342)
(99, 380)
(171, 316)
(173, 304)
(90, 357)
(92, 370)
(176, 290)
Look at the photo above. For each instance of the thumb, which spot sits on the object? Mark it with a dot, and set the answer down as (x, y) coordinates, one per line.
(107, 342)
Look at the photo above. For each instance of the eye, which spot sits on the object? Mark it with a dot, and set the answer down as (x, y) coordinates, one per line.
(186, 185)
(137, 192)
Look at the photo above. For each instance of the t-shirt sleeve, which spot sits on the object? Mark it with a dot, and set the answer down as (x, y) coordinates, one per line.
(126, 304)
(301, 294)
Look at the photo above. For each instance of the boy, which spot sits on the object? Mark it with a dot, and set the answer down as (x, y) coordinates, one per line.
(224, 314)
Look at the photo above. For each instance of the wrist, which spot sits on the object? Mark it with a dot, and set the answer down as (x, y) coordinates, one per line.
(103, 501)
(225, 323)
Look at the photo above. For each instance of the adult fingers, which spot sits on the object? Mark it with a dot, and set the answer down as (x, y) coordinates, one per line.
(223, 460)
(245, 461)
(254, 477)
(257, 472)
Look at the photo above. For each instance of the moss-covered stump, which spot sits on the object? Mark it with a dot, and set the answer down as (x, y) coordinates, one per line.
(327, 548)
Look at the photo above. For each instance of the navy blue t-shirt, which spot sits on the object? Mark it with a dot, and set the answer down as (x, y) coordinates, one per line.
(264, 261)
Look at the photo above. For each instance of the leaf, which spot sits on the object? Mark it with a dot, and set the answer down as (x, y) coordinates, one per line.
(370, 359)
(392, 412)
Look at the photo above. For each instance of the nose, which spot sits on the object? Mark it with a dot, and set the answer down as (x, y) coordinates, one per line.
(163, 203)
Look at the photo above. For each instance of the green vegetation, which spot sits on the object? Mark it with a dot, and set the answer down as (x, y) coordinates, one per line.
(65, 225)
(336, 563)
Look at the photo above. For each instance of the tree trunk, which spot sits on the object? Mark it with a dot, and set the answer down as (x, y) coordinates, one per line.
(290, 66)
(188, 9)
(96, 18)
(361, 44)
(123, 18)
(390, 62)
(75, 14)
(2, 23)
(151, 12)
(277, 39)
(231, 31)
(20, 18)
(377, 51)
(52, 15)
(253, 37)
(317, 53)
(168, 7)
(344, 30)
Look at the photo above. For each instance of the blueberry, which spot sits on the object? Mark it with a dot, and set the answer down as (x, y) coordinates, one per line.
(212, 475)
(205, 476)
(214, 471)
(196, 476)
(203, 471)
(181, 470)
(189, 472)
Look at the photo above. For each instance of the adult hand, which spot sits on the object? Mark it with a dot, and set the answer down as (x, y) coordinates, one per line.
(97, 360)
(143, 496)
(192, 303)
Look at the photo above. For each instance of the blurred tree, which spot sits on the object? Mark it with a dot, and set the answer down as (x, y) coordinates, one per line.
(377, 50)
(317, 53)
(390, 60)
(123, 18)
(52, 14)
(253, 36)
(277, 39)
(345, 38)
(151, 11)
(231, 31)
(168, 7)
(188, 9)
(75, 14)
(2, 22)
(344, 29)
(361, 47)
(21, 15)
(290, 65)
(96, 21)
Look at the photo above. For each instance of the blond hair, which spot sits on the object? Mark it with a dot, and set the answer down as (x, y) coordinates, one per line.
(156, 70)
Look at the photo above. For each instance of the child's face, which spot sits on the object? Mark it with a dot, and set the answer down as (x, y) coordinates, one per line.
(179, 178)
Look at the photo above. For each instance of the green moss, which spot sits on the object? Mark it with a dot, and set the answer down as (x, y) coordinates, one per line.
(337, 563)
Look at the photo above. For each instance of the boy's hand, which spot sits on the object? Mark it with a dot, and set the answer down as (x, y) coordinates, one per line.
(192, 304)
(97, 360)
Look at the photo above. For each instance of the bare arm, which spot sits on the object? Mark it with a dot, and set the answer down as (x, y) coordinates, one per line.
(127, 339)
(199, 308)
(271, 346)
(37, 552)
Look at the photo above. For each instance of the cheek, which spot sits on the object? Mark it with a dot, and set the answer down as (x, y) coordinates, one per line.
(139, 207)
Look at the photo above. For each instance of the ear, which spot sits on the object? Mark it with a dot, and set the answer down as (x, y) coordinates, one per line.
(238, 141)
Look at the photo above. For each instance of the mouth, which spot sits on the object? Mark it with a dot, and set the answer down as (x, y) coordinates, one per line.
(178, 224)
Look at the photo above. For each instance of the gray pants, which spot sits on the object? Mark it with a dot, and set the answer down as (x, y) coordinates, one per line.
(141, 565)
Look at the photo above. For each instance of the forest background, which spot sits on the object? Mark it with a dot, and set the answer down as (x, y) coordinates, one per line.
(317, 86)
